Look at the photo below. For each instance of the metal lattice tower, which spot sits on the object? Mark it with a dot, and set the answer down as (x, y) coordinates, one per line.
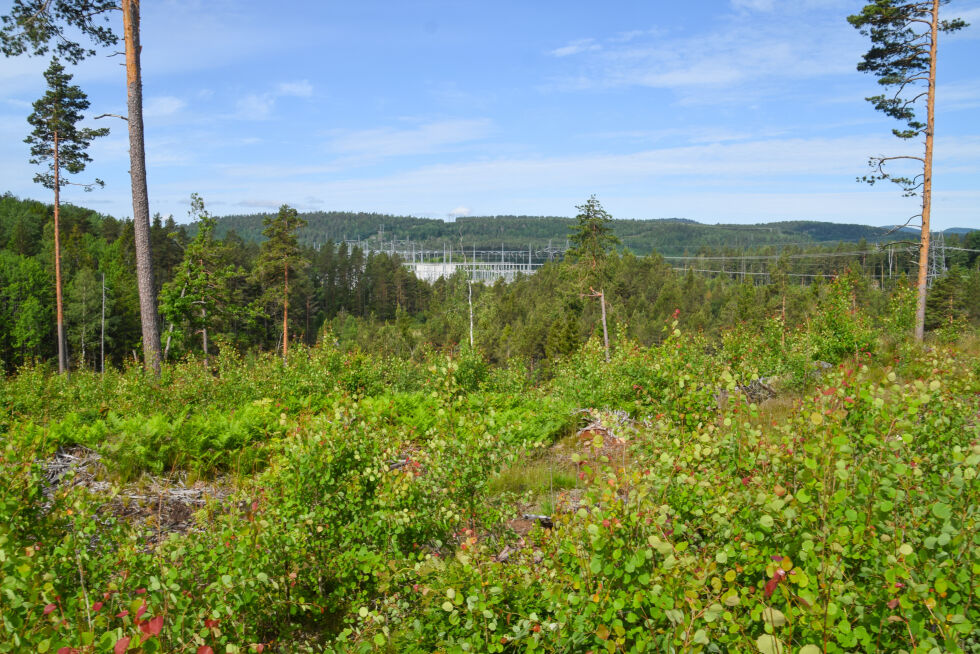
(937, 258)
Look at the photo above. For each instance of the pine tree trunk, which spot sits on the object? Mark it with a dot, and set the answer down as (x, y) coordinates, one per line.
(285, 314)
(62, 356)
(920, 305)
(141, 202)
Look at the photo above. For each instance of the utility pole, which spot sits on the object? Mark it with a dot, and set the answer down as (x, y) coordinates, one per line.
(605, 332)
(102, 337)
(937, 258)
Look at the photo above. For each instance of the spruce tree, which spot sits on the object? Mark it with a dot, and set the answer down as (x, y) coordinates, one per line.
(202, 291)
(592, 237)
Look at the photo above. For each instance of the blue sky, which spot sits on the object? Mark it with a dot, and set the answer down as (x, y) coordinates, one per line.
(719, 111)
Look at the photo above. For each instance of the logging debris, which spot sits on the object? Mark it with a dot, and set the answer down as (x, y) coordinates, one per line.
(155, 506)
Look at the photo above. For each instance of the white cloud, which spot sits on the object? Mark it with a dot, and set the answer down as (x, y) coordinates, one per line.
(259, 106)
(626, 37)
(732, 181)
(699, 166)
(162, 106)
(255, 106)
(298, 89)
(754, 5)
(747, 54)
(460, 211)
(424, 139)
(958, 95)
(259, 204)
(971, 16)
(576, 47)
(19, 104)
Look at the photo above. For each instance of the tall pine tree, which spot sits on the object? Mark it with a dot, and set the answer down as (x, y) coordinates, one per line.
(61, 145)
(904, 43)
(31, 27)
(279, 257)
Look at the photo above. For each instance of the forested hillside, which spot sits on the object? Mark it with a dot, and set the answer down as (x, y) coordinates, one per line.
(370, 301)
(671, 236)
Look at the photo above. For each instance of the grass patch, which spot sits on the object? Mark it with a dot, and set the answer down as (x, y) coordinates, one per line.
(534, 478)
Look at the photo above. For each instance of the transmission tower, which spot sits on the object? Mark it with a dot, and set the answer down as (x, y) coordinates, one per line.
(937, 258)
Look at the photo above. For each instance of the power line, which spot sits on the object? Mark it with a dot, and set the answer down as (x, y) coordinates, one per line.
(776, 257)
(739, 272)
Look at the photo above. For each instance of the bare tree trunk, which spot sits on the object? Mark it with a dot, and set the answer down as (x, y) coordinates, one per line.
(137, 172)
(920, 305)
(285, 315)
(204, 332)
(605, 332)
(62, 355)
(170, 330)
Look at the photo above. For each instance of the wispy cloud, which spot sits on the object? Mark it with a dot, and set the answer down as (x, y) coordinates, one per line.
(753, 5)
(162, 106)
(971, 16)
(298, 89)
(424, 139)
(717, 182)
(745, 54)
(958, 95)
(259, 106)
(702, 165)
(626, 37)
(20, 104)
(576, 47)
(255, 106)
(258, 204)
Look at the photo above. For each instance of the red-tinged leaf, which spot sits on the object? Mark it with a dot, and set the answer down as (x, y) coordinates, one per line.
(122, 614)
(141, 610)
(152, 626)
(140, 591)
(121, 645)
(210, 624)
(259, 647)
(892, 604)
(67, 650)
(49, 608)
(204, 649)
(97, 606)
(771, 586)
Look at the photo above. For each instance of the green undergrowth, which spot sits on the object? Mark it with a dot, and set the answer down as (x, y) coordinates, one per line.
(372, 499)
